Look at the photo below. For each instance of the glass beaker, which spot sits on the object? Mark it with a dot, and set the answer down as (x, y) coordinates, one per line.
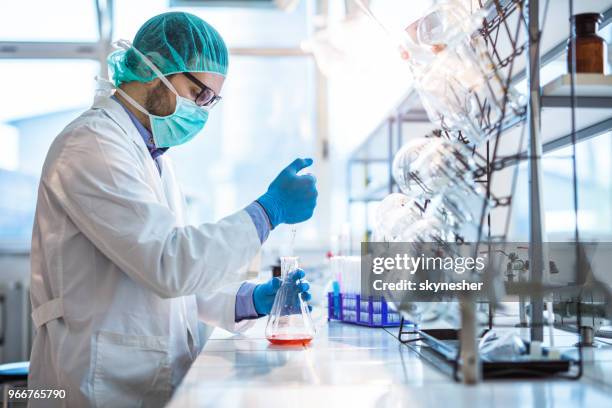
(289, 322)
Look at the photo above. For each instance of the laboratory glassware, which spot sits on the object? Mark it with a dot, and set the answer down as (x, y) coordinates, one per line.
(461, 210)
(454, 73)
(432, 165)
(591, 49)
(443, 26)
(346, 271)
(422, 238)
(396, 213)
(426, 230)
(505, 347)
(289, 322)
(442, 172)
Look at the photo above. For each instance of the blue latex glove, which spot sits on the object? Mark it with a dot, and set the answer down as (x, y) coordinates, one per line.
(291, 198)
(264, 293)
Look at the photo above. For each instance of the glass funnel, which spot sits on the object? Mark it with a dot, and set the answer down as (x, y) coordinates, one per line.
(289, 322)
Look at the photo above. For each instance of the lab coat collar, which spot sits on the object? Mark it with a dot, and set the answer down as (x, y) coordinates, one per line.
(144, 132)
(117, 113)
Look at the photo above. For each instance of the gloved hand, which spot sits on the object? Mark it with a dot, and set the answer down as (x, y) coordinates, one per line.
(264, 294)
(290, 198)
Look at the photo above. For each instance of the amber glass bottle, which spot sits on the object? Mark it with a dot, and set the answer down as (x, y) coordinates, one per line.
(591, 49)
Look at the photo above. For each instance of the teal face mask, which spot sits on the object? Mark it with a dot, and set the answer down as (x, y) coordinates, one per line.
(181, 126)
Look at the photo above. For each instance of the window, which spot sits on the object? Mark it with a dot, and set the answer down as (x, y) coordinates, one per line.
(240, 27)
(261, 125)
(266, 119)
(40, 98)
(594, 171)
(43, 20)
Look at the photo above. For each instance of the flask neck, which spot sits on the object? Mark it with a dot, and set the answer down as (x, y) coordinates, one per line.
(288, 265)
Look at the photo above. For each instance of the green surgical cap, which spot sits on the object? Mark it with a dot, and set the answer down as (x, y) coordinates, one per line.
(175, 42)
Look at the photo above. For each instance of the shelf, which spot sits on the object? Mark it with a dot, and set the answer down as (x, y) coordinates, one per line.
(556, 121)
(586, 85)
(593, 104)
(376, 192)
(582, 134)
(585, 102)
(373, 160)
(376, 146)
(556, 128)
(556, 32)
(416, 116)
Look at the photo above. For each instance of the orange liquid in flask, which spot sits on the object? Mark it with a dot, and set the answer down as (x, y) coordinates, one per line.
(289, 339)
(289, 322)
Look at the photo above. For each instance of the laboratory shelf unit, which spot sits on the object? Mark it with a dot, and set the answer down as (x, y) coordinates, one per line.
(562, 113)
(369, 177)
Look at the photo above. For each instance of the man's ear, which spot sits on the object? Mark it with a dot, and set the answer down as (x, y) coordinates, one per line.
(153, 83)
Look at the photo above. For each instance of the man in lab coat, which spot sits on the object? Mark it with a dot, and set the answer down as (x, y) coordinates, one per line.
(119, 279)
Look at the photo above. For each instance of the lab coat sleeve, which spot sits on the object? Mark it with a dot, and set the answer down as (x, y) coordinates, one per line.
(218, 309)
(98, 182)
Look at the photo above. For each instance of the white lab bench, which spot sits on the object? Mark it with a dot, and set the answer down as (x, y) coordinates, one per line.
(353, 366)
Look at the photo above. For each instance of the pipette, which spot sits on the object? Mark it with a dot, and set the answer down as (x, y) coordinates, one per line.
(291, 253)
(292, 241)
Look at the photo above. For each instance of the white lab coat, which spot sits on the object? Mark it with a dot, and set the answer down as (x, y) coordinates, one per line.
(118, 279)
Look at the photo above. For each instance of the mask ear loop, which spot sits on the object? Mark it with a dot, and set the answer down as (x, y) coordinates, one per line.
(126, 45)
(124, 94)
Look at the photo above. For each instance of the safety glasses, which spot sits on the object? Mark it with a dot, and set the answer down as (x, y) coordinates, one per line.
(207, 96)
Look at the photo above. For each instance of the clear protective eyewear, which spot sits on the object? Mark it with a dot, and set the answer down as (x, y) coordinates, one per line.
(206, 97)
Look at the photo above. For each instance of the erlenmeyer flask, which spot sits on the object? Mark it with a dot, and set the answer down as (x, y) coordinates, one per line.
(289, 322)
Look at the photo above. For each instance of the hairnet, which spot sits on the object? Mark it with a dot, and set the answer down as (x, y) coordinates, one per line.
(175, 42)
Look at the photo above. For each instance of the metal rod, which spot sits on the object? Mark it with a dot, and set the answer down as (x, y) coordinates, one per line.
(581, 135)
(92, 50)
(49, 50)
(579, 263)
(415, 116)
(268, 52)
(400, 142)
(105, 17)
(470, 364)
(592, 102)
(536, 219)
(390, 166)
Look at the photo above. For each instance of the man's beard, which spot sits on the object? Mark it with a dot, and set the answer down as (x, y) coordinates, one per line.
(159, 101)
